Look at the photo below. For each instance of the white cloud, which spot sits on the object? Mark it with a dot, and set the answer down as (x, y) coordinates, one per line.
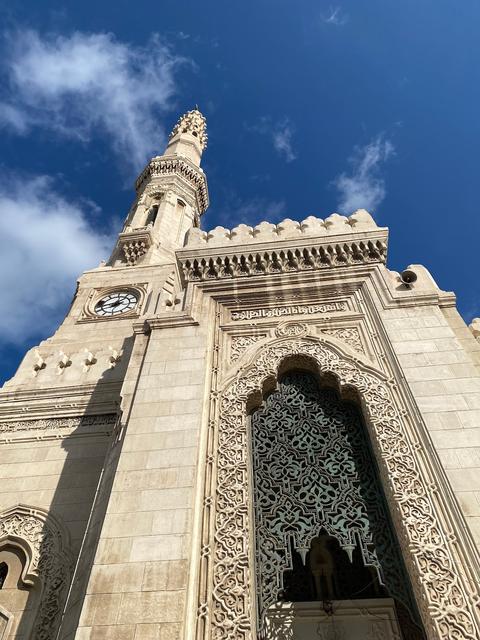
(279, 132)
(282, 140)
(88, 83)
(335, 17)
(364, 187)
(46, 243)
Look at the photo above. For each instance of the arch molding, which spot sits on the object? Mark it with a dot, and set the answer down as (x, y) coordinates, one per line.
(446, 597)
(49, 563)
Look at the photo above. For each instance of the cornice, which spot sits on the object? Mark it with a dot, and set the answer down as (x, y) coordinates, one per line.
(283, 256)
(89, 399)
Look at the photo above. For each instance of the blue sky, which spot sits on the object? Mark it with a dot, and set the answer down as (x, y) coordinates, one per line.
(312, 108)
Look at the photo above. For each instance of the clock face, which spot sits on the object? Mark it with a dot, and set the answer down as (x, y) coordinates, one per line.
(116, 303)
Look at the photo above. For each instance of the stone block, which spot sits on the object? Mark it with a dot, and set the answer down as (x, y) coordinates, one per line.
(439, 403)
(116, 578)
(464, 479)
(152, 606)
(126, 525)
(456, 439)
(172, 521)
(101, 609)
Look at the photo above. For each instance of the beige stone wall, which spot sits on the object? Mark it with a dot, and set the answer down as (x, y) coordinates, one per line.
(61, 475)
(138, 583)
(440, 360)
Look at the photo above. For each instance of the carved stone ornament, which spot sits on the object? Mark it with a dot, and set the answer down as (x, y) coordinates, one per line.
(49, 562)
(289, 310)
(171, 166)
(445, 595)
(100, 423)
(240, 344)
(349, 335)
(192, 122)
(135, 244)
(291, 329)
(236, 264)
(313, 471)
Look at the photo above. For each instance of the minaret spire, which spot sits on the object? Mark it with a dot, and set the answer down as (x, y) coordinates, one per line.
(189, 136)
(172, 194)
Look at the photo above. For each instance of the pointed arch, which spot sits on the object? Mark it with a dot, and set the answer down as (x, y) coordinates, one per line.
(49, 563)
(444, 594)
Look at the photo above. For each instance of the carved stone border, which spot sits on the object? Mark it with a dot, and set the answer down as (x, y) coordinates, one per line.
(96, 424)
(227, 606)
(49, 562)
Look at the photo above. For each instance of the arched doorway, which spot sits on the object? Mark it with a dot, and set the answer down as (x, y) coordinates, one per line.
(417, 494)
(322, 530)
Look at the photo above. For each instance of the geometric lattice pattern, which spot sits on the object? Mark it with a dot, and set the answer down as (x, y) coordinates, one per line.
(313, 473)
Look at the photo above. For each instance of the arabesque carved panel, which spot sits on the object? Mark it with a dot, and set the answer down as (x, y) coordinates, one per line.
(443, 594)
(48, 560)
(239, 344)
(313, 472)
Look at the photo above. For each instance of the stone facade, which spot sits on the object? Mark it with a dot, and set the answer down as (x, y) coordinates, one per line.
(125, 476)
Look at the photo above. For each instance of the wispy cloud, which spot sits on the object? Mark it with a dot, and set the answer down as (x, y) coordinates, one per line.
(282, 140)
(364, 187)
(46, 242)
(280, 133)
(335, 16)
(90, 83)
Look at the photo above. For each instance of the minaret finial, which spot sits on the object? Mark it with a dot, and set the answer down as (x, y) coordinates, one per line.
(193, 123)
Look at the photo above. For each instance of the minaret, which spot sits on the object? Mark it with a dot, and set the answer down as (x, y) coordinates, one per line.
(172, 194)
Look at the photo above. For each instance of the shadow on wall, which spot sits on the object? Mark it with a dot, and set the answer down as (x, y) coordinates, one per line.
(49, 553)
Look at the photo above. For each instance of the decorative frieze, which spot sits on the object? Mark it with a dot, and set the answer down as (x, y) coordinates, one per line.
(171, 166)
(94, 423)
(270, 261)
(288, 310)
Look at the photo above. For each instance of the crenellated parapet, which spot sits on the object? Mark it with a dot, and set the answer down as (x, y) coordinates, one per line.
(335, 224)
(475, 328)
(287, 246)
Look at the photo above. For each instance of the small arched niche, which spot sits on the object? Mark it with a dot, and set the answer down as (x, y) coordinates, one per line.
(19, 598)
(323, 535)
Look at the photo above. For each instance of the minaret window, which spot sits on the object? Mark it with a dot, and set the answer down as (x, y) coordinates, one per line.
(322, 527)
(152, 215)
(3, 573)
